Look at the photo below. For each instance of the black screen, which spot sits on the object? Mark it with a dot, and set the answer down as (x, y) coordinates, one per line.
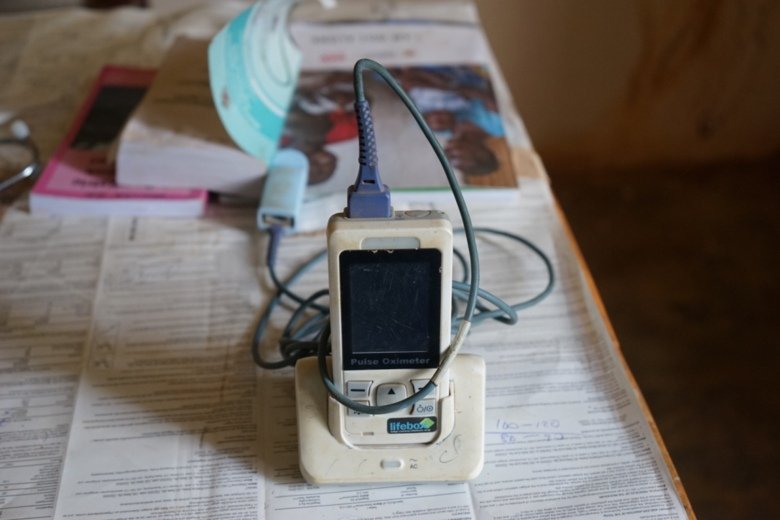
(391, 307)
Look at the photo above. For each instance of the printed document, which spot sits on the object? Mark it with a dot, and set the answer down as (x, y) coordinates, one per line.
(49, 271)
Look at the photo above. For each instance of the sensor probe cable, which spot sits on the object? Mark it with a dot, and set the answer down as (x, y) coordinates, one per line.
(306, 336)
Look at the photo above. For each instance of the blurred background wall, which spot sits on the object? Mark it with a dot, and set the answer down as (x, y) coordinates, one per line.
(623, 83)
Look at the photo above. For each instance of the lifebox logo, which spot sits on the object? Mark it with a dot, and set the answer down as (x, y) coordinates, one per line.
(402, 425)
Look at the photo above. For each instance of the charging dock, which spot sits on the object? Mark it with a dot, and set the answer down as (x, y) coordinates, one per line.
(457, 457)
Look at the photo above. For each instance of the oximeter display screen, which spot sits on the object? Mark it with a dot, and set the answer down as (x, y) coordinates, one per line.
(391, 304)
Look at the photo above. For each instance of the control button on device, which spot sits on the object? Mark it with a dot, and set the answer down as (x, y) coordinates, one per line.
(390, 393)
(424, 407)
(353, 413)
(418, 384)
(358, 389)
(417, 213)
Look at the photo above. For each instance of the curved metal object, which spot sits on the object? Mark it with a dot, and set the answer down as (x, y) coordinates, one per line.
(21, 137)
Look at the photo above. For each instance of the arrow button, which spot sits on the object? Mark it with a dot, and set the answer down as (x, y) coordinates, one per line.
(390, 393)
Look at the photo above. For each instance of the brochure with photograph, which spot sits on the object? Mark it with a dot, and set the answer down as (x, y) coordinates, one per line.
(457, 102)
(445, 68)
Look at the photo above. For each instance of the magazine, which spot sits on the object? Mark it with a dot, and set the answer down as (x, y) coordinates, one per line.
(80, 177)
(449, 73)
(457, 102)
(450, 84)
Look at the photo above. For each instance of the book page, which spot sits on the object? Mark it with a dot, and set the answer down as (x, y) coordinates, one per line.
(450, 33)
(565, 435)
(48, 276)
(165, 422)
(447, 71)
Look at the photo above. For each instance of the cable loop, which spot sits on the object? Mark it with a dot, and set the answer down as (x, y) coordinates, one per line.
(302, 333)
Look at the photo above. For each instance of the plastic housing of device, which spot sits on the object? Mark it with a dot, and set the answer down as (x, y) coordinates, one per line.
(418, 229)
(458, 456)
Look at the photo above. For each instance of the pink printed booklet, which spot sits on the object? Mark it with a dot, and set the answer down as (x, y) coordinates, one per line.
(80, 177)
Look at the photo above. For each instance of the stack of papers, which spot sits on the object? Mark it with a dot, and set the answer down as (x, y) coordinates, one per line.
(175, 138)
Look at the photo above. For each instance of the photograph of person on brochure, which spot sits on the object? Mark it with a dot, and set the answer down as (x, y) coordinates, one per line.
(457, 101)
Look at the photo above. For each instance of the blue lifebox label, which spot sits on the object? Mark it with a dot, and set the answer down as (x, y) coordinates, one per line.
(411, 425)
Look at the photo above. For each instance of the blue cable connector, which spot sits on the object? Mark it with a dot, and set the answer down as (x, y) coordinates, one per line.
(368, 197)
(285, 184)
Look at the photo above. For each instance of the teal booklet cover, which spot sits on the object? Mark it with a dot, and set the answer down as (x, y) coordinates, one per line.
(253, 70)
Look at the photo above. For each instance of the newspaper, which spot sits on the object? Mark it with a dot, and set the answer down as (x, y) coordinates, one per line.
(172, 421)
